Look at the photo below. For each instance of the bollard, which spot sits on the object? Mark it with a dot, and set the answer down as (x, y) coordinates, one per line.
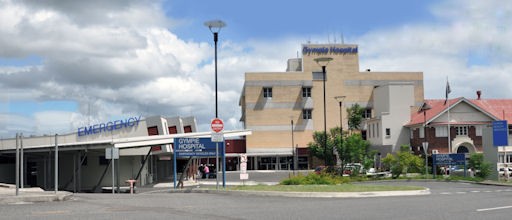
(132, 182)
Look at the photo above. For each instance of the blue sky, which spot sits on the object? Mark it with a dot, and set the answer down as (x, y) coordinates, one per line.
(62, 66)
(270, 19)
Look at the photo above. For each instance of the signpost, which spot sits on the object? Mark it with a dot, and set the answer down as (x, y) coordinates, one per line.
(112, 154)
(217, 127)
(243, 168)
(500, 138)
(425, 150)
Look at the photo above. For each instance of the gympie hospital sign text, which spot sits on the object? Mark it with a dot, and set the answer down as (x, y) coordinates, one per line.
(109, 126)
(328, 50)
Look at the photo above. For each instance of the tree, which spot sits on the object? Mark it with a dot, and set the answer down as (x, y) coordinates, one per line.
(355, 117)
(351, 149)
(403, 162)
(354, 149)
(316, 148)
(477, 164)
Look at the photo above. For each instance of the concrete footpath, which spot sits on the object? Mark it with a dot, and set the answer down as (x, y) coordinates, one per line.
(30, 195)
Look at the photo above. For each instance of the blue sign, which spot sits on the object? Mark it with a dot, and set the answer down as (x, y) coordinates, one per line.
(449, 159)
(199, 147)
(500, 133)
(196, 147)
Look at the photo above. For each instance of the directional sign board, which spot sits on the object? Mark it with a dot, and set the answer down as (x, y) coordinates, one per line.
(196, 147)
(449, 159)
(500, 133)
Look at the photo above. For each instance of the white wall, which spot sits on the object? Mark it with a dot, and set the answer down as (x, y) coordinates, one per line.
(392, 104)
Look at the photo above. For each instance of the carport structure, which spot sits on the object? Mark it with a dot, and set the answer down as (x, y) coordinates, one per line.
(81, 165)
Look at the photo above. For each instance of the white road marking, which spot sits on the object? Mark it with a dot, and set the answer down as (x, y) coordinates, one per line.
(495, 208)
(475, 191)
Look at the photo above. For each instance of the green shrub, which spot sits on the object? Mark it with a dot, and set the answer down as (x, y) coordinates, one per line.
(315, 179)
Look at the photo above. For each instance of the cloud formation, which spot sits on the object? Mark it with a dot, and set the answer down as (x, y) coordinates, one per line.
(121, 58)
(468, 45)
(115, 58)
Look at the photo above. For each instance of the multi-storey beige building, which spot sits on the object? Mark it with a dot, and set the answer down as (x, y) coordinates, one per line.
(274, 102)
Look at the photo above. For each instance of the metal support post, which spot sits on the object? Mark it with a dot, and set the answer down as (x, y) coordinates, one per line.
(17, 166)
(56, 165)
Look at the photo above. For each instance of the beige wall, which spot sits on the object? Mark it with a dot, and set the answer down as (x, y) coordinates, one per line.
(270, 118)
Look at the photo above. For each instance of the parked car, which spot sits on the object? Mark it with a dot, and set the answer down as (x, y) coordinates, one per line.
(353, 168)
(501, 171)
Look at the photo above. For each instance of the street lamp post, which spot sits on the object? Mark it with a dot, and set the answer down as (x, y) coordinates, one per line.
(293, 152)
(340, 100)
(323, 61)
(215, 26)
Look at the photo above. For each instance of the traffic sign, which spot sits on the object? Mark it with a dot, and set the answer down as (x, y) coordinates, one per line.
(217, 137)
(217, 125)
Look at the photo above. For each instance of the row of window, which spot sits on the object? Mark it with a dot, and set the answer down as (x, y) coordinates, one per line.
(373, 130)
(443, 131)
(306, 93)
(267, 92)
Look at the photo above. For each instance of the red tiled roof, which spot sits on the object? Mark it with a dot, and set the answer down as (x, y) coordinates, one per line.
(499, 108)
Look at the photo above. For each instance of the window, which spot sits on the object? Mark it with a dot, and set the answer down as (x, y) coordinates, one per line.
(461, 130)
(153, 130)
(422, 132)
(478, 130)
(187, 129)
(318, 76)
(306, 92)
(441, 131)
(267, 92)
(367, 113)
(306, 114)
(378, 133)
(388, 131)
(173, 130)
(412, 132)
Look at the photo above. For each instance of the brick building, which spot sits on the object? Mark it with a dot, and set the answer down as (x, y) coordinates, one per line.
(467, 118)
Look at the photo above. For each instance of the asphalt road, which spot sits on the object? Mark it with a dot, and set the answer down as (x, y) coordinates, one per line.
(447, 201)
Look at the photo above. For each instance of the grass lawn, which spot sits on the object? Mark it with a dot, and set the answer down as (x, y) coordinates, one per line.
(326, 188)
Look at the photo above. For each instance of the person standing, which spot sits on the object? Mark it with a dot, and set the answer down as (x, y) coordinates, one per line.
(206, 171)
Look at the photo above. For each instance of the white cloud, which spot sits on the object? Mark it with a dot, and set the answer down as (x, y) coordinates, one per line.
(447, 47)
(119, 58)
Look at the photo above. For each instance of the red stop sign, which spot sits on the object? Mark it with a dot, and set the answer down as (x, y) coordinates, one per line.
(217, 125)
